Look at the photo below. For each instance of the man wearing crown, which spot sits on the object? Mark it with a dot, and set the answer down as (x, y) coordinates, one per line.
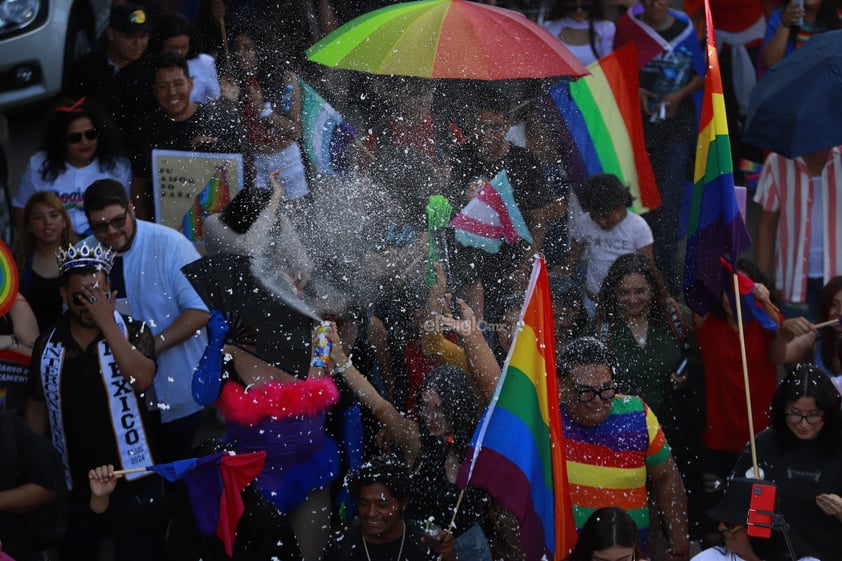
(86, 392)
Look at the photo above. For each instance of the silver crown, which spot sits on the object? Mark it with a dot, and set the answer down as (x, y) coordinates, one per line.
(99, 257)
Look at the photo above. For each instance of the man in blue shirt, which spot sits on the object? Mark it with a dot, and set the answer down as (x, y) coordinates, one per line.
(151, 288)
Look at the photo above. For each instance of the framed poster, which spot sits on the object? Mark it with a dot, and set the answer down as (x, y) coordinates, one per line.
(190, 186)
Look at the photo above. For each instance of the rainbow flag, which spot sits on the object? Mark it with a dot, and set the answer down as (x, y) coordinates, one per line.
(714, 225)
(213, 198)
(517, 451)
(491, 216)
(602, 126)
(325, 135)
(8, 279)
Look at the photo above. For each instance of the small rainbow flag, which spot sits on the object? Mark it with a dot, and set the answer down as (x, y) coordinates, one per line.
(8, 279)
(714, 225)
(213, 198)
(517, 451)
(602, 126)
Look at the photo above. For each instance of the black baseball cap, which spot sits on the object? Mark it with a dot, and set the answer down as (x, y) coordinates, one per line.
(130, 18)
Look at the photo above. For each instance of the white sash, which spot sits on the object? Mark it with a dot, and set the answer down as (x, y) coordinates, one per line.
(655, 36)
(126, 421)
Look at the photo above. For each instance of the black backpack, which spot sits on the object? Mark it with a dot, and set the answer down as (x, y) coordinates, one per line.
(48, 524)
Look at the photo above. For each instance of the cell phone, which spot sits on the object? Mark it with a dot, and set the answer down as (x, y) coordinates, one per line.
(761, 510)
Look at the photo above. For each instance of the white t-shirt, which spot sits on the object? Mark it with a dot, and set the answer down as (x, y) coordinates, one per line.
(70, 186)
(721, 554)
(603, 247)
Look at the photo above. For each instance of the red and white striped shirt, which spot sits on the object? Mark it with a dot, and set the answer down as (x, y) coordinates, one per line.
(786, 185)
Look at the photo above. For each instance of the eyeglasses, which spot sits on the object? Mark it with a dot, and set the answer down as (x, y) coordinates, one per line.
(812, 418)
(117, 222)
(730, 528)
(76, 137)
(586, 394)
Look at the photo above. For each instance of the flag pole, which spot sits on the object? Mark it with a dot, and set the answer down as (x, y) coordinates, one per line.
(828, 323)
(744, 360)
(130, 470)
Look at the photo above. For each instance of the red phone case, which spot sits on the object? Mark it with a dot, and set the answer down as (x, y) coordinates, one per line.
(760, 511)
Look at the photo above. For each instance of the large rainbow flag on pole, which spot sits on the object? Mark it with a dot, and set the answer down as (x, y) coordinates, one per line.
(602, 126)
(517, 451)
(714, 225)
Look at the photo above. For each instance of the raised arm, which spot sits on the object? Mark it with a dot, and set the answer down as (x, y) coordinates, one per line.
(404, 430)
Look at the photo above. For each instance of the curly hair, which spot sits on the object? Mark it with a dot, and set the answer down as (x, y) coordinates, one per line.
(109, 145)
(388, 470)
(808, 380)
(607, 309)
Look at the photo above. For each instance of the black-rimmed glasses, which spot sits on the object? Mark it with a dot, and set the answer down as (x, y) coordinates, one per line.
(117, 222)
(811, 418)
(586, 394)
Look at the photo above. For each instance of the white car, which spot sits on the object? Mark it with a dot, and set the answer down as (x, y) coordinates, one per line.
(38, 41)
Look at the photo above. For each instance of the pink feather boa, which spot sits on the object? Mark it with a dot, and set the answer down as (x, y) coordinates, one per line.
(276, 400)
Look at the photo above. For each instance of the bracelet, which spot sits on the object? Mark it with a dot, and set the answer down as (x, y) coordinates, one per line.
(340, 368)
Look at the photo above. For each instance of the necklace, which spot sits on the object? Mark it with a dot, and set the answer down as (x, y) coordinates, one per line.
(400, 551)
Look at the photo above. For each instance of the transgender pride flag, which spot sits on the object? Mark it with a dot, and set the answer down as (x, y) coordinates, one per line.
(491, 217)
(326, 137)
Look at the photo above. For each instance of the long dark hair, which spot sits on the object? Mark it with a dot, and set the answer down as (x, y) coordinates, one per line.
(563, 8)
(808, 380)
(828, 335)
(271, 67)
(607, 310)
(55, 137)
(458, 403)
(607, 527)
(827, 18)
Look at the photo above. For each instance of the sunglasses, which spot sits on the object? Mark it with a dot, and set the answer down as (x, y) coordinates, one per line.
(76, 137)
(117, 222)
(730, 528)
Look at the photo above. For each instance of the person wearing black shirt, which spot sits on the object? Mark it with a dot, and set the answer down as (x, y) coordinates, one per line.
(178, 124)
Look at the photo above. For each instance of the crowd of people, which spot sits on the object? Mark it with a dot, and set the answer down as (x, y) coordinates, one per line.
(324, 322)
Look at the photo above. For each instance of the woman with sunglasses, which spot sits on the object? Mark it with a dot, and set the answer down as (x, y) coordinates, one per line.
(581, 26)
(801, 453)
(81, 144)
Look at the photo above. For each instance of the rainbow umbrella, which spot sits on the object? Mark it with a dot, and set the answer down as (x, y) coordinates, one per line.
(446, 39)
(8, 279)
